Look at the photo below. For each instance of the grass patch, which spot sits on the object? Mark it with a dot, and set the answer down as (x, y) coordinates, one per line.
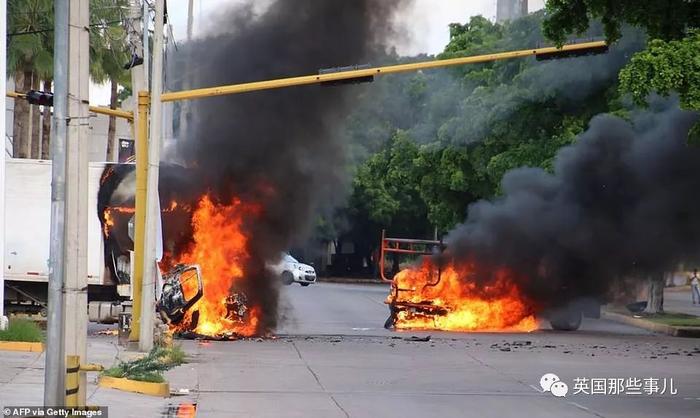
(22, 330)
(674, 319)
(175, 355)
(149, 368)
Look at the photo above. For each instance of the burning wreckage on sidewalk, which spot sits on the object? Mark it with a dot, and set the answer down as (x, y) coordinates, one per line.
(204, 291)
(182, 289)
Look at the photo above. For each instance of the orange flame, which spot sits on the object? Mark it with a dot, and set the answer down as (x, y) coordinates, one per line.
(109, 214)
(220, 247)
(461, 303)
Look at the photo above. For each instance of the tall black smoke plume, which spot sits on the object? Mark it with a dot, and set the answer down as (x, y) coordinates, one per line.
(622, 203)
(278, 148)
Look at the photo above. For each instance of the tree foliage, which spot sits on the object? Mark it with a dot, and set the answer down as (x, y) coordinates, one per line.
(670, 61)
(30, 40)
(666, 67)
(30, 61)
(662, 19)
(427, 145)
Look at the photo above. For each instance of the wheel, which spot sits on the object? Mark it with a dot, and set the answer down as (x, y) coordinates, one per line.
(390, 322)
(304, 284)
(287, 278)
(567, 320)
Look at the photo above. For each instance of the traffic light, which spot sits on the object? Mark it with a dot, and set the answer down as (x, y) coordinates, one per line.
(41, 98)
(354, 80)
(602, 49)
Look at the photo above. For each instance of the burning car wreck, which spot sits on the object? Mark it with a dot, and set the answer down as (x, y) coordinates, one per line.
(442, 293)
(203, 292)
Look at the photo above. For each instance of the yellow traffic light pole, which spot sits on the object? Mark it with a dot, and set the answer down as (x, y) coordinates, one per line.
(140, 211)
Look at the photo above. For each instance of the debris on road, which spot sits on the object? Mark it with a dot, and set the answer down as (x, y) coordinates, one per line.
(418, 339)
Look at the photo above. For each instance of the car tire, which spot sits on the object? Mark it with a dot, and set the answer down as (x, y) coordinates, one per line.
(567, 320)
(287, 278)
(304, 284)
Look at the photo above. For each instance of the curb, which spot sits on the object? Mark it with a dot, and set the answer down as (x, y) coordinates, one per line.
(687, 332)
(146, 388)
(21, 346)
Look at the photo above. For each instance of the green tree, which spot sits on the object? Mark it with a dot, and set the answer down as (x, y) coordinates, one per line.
(29, 60)
(385, 188)
(447, 184)
(666, 67)
(669, 64)
(108, 54)
(662, 19)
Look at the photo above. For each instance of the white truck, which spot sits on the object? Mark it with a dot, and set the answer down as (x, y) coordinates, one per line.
(27, 234)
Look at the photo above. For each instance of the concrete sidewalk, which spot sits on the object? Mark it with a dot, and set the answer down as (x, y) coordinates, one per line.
(676, 300)
(679, 299)
(22, 382)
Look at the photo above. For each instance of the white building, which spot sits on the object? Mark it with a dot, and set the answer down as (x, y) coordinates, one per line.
(510, 10)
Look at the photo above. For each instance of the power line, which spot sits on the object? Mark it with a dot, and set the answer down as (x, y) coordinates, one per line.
(92, 25)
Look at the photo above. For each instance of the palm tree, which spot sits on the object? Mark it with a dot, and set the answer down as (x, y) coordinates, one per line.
(108, 54)
(29, 60)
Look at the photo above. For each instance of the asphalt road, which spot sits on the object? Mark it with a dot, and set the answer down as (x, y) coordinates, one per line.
(332, 358)
(353, 309)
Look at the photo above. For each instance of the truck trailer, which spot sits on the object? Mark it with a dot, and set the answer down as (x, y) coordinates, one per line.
(27, 235)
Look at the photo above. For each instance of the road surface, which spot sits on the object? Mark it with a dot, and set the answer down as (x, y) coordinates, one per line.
(352, 309)
(332, 358)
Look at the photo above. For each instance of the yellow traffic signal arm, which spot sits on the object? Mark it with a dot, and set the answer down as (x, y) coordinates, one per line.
(120, 113)
(582, 48)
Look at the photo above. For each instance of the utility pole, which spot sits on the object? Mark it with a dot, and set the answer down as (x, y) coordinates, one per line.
(152, 203)
(77, 210)
(146, 14)
(3, 88)
(185, 106)
(136, 36)
(54, 386)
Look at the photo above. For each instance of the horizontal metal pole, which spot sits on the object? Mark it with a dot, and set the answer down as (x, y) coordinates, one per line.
(391, 69)
(119, 113)
(411, 241)
(405, 251)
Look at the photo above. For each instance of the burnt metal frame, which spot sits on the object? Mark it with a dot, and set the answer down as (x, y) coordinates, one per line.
(406, 246)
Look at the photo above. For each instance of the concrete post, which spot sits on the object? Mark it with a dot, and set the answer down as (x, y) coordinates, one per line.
(152, 204)
(54, 389)
(138, 85)
(77, 210)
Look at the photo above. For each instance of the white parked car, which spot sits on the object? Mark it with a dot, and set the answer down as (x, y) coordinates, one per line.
(291, 271)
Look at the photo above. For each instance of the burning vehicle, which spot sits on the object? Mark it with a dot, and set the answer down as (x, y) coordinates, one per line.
(182, 288)
(203, 291)
(445, 294)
